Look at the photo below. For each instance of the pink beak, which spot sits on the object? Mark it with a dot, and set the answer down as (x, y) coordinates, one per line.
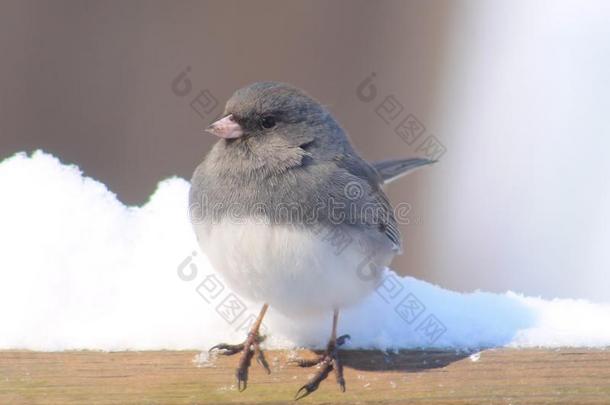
(226, 128)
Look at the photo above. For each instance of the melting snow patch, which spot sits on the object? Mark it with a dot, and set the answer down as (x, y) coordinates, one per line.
(205, 359)
(80, 270)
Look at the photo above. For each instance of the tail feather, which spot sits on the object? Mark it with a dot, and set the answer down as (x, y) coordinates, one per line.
(392, 169)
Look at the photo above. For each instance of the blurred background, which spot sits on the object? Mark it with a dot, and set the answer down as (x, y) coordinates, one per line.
(512, 98)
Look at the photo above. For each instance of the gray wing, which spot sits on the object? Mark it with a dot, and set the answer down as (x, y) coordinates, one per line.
(362, 189)
(391, 169)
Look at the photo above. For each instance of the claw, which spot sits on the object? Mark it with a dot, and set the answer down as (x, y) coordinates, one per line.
(249, 349)
(242, 379)
(260, 358)
(342, 339)
(338, 367)
(314, 383)
(242, 369)
(227, 349)
(305, 393)
(218, 346)
(307, 389)
(329, 361)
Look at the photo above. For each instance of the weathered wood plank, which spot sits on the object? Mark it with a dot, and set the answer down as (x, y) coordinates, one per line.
(502, 376)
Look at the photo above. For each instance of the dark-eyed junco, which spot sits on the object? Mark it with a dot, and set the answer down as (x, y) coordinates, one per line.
(291, 216)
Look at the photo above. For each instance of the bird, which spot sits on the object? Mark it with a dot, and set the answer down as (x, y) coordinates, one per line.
(291, 216)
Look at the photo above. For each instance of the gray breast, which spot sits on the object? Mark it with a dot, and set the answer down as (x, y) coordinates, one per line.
(231, 184)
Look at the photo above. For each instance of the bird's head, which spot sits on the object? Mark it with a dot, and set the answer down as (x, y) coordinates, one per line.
(271, 113)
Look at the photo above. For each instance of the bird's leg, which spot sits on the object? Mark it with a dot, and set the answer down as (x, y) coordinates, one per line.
(328, 362)
(249, 348)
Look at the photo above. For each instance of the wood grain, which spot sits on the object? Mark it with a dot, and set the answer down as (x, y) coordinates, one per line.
(499, 376)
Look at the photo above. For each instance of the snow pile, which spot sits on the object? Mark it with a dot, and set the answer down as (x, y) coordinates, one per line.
(79, 270)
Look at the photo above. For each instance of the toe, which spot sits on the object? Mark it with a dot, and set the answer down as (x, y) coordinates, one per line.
(338, 367)
(303, 392)
(341, 340)
(227, 349)
(260, 358)
(314, 383)
(242, 379)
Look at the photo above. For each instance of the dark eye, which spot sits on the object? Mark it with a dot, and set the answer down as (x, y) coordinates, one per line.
(268, 122)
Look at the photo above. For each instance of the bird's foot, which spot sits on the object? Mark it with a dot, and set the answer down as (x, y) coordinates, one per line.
(327, 362)
(249, 348)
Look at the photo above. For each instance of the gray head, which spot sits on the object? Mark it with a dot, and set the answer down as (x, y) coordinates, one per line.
(273, 121)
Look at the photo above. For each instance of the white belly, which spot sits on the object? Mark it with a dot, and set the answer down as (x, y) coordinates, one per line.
(294, 270)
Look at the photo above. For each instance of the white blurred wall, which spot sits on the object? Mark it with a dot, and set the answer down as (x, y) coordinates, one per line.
(523, 196)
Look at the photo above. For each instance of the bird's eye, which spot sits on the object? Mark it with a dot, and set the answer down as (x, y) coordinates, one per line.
(268, 122)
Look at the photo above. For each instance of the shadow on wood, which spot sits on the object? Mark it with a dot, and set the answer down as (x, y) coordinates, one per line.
(403, 360)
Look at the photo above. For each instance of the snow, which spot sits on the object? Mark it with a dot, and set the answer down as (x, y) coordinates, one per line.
(80, 270)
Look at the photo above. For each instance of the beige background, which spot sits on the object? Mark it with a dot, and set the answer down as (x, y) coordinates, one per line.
(90, 81)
